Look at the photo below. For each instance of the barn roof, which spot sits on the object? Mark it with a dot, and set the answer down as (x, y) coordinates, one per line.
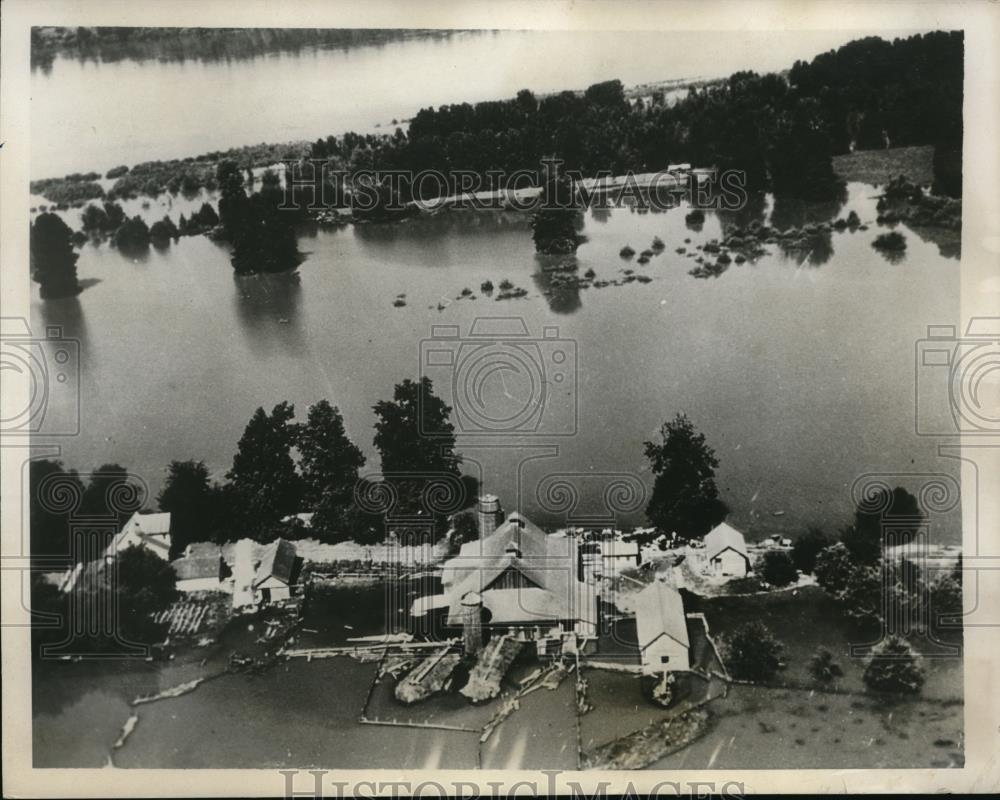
(278, 561)
(724, 536)
(659, 610)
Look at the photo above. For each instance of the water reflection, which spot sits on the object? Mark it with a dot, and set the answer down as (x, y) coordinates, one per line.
(556, 278)
(813, 250)
(791, 212)
(268, 306)
(755, 210)
(65, 313)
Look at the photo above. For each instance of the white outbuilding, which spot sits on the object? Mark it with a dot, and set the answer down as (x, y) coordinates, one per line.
(661, 629)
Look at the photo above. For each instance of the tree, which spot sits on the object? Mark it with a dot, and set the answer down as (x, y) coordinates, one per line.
(753, 653)
(685, 499)
(49, 481)
(466, 526)
(187, 495)
(945, 599)
(555, 222)
(864, 596)
(265, 484)
(416, 440)
(894, 668)
(53, 262)
(822, 666)
(146, 585)
(777, 568)
(111, 495)
(163, 232)
(807, 547)
(897, 512)
(833, 568)
(132, 236)
(329, 462)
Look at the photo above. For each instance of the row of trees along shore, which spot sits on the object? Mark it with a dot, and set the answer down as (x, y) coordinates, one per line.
(281, 468)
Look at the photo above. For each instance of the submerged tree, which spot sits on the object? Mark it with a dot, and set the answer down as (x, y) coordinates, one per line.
(53, 261)
(558, 216)
(752, 653)
(685, 498)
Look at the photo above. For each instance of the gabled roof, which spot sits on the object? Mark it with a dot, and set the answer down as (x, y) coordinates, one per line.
(278, 561)
(157, 524)
(723, 537)
(659, 611)
(548, 562)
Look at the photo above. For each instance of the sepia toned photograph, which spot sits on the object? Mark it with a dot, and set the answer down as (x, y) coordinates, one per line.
(497, 398)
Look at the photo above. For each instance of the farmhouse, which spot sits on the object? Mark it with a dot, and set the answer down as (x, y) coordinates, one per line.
(521, 582)
(151, 531)
(661, 629)
(726, 551)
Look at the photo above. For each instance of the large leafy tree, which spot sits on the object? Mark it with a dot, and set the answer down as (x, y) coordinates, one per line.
(416, 440)
(48, 482)
(266, 486)
(111, 496)
(189, 497)
(685, 498)
(329, 462)
(807, 547)
(53, 261)
(897, 512)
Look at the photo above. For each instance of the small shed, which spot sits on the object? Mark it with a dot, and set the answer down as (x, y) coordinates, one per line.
(201, 570)
(661, 629)
(726, 551)
(275, 572)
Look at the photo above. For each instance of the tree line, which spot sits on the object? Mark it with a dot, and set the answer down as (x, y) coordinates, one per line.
(781, 131)
(282, 468)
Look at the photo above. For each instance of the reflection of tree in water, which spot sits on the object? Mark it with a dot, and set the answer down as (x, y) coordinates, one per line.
(456, 223)
(267, 304)
(949, 243)
(892, 256)
(791, 212)
(66, 313)
(562, 297)
(600, 214)
(814, 250)
(755, 210)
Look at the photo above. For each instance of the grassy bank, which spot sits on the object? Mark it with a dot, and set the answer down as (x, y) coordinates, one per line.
(881, 166)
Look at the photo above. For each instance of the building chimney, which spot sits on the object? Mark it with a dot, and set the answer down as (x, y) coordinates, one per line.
(490, 515)
(472, 623)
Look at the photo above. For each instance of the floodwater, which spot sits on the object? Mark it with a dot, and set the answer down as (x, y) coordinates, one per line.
(92, 115)
(799, 368)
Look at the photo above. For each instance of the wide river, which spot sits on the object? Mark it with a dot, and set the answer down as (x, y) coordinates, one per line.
(800, 375)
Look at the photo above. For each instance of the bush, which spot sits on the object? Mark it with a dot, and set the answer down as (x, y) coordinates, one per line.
(777, 568)
(116, 172)
(822, 666)
(753, 653)
(807, 547)
(893, 242)
(894, 668)
(834, 568)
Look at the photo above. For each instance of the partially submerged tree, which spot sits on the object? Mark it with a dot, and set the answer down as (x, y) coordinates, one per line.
(685, 498)
(53, 261)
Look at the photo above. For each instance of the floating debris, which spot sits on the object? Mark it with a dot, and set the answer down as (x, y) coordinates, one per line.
(127, 728)
(176, 691)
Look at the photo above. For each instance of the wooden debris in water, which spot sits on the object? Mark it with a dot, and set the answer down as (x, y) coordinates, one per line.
(430, 678)
(175, 691)
(127, 728)
(493, 663)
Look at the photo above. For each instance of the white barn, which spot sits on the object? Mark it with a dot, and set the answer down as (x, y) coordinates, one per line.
(151, 531)
(726, 551)
(661, 628)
